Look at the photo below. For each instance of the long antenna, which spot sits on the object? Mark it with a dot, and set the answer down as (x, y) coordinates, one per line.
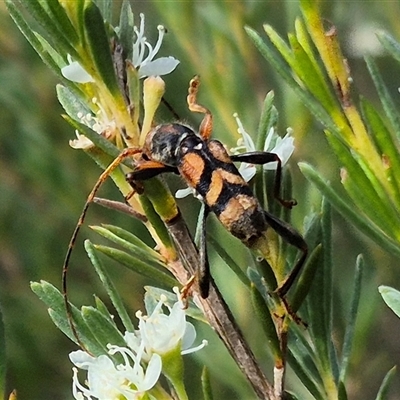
(117, 161)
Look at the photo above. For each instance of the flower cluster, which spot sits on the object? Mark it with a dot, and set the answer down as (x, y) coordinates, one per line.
(159, 335)
(144, 60)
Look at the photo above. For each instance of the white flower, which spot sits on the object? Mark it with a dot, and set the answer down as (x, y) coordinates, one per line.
(75, 72)
(108, 381)
(100, 123)
(142, 361)
(161, 333)
(144, 53)
(283, 147)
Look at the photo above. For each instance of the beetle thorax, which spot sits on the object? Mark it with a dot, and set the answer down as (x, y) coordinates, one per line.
(164, 143)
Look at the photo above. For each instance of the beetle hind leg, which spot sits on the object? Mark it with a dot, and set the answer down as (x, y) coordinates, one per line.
(291, 236)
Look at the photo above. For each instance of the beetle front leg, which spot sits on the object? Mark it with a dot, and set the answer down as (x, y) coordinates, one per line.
(206, 125)
(143, 171)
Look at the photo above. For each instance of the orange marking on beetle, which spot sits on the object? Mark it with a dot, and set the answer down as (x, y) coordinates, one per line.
(236, 208)
(192, 168)
(218, 151)
(218, 177)
(216, 184)
(232, 178)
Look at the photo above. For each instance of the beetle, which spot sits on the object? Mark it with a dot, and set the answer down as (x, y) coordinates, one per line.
(206, 167)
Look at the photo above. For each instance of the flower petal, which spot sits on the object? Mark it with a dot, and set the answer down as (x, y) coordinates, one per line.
(81, 358)
(160, 66)
(76, 73)
(181, 193)
(152, 374)
(189, 336)
(247, 171)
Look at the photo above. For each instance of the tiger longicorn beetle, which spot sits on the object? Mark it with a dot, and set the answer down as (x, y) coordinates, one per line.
(207, 168)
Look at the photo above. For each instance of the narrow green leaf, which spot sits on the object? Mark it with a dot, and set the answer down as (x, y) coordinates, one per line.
(51, 26)
(256, 278)
(79, 7)
(351, 319)
(103, 330)
(163, 201)
(327, 291)
(268, 119)
(103, 309)
(304, 368)
(72, 102)
(390, 44)
(137, 265)
(263, 315)
(109, 287)
(57, 60)
(59, 15)
(55, 301)
(303, 285)
(370, 197)
(342, 393)
(153, 215)
(349, 211)
(391, 109)
(105, 7)
(133, 239)
(20, 21)
(271, 55)
(385, 143)
(3, 358)
(391, 297)
(31, 36)
(282, 47)
(290, 396)
(136, 251)
(319, 301)
(206, 384)
(126, 31)
(85, 335)
(383, 393)
(130, 242)
(305, 41)
(311, 77)
(100, 47)
(312, 229)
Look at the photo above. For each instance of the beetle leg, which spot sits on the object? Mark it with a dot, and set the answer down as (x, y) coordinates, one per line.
(148, 169)
(291, 236)
(206, 125)
(203, 272)
(145, 170)
(263, 157)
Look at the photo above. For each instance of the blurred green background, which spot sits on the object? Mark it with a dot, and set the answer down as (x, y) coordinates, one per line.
(44, 183)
